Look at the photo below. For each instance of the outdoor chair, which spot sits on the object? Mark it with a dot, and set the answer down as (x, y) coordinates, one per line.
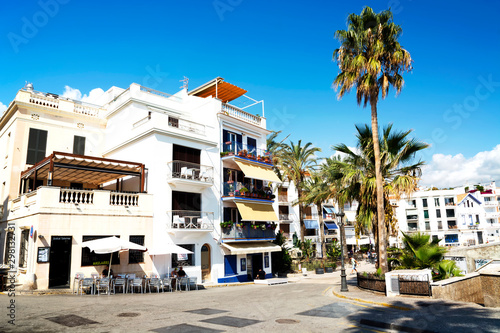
(193, 281)
(103, 284)
(186, 173)
(120, 282)
(205, 224)
(95, 276)
(167, 283)
(77, 280)
(155, 283)
(178, 222)
(135, 283)
(182, 281)
(87, 284)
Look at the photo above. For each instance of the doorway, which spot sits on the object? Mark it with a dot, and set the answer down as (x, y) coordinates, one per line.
(254, 263)
(60, 261)
(480, 237)
(205, 263)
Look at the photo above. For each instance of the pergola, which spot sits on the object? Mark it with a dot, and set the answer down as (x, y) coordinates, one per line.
(82, 169)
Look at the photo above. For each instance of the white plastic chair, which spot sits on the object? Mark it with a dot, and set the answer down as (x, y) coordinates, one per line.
(104, 284)
(205, 223)
(77, 280)
(182, 281)
(193, 281)
(167, 283)
(120, 282)
(155, 283)
(87, 284)
(178, 222)
(136, 283)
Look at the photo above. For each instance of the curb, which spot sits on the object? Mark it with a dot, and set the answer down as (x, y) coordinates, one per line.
(403, 308)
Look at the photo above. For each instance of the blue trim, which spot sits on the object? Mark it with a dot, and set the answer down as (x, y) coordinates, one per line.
(233, 240)
(246, 199)
(331, 225)
(311, 224)
(233, 279)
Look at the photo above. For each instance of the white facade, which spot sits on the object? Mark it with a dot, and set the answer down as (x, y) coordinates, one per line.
(456, 217)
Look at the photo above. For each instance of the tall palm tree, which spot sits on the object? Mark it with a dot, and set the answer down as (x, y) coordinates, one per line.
(371, 59)
(399, 173)
(276, 149)
(297, 162)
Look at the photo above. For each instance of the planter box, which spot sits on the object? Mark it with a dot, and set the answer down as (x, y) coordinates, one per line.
(320, 271)
(329, 270)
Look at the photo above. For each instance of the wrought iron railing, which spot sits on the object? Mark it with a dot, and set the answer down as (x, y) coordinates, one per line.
(191, 171)
(190, 220)
(246, 151)
(246, 230)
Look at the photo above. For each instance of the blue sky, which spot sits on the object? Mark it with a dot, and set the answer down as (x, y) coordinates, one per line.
(280, 52)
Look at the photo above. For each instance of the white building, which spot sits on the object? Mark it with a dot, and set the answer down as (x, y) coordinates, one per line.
(457, 217)
(68, 177)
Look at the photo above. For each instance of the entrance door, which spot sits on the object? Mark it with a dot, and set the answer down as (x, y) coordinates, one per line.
(256, 264)
(205, 263)
(60, 261)
(480, 237)
(249, 267)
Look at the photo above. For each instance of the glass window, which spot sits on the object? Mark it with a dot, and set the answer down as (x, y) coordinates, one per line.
(426, 214)
(438, 212)
(450, 213)
(79, 145)
(135, 256)
(179, 259)
(424, 202)
(23, 250)
(436, 202)
(440, 225)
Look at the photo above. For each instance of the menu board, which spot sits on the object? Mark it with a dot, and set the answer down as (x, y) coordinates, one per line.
(43, 254)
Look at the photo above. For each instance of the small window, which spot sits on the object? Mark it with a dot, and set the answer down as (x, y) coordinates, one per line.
(135, 256)
(424, 202)
(426, 214)
(173, 122)
(37, 144)
(438, 213)
(436, 202)
(79, 145)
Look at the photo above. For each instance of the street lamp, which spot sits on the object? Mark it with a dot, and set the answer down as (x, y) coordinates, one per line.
(343, 279)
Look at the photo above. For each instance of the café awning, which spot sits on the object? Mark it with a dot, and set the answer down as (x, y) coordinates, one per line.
(258, 172)
(250, 211)
(251, 247)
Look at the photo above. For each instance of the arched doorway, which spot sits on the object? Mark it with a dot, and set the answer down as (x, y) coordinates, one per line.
(205, 263)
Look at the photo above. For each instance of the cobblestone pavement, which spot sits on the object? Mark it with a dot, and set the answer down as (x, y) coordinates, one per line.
(311, 303)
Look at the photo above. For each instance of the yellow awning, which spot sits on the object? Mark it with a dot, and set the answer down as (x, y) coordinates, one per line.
(251, 247)
(256, 212)
(258, 172)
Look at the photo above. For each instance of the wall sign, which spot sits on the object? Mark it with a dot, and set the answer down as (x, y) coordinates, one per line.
(43, 254)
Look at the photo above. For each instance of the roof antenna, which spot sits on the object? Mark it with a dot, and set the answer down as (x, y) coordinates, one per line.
(185, 83)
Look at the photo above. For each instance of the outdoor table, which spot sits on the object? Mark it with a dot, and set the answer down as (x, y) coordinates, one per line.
(190, 224)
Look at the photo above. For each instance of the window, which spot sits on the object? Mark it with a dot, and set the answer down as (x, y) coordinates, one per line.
(435, 238)
(23, 250)
(427, 225)
(438, 213)
(135, 256)
(186, 201)
(426, 214)
(179, 259)
(424, 202)
(436, 202)
(453, 238)
(449, 201)
(440, 225)
(37, 143)
(450, 213)
(186, 154)
(79, 145)
(93, 259)
(252, 145)
(477, 219)
(173, 122)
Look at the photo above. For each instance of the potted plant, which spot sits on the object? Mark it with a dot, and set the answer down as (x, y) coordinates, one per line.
(224, 153)
(263, 226)
(226, 224)
(259, 158)
(243, 191)
(242, 153)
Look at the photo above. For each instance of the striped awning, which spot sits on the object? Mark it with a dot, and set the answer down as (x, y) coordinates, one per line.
(258, 171)
(251, 247)
(256, 212)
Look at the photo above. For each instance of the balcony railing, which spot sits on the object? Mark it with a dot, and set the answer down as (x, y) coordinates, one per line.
(190, 171)
(283, 198)
(412, 217)
(246, 151)
(491, 203)
(452, 226)
(76, 201)
(247, 231)
(285, 217)
(190, 220)
(63, 104)
(237, 189)
(235, 112)
(492, 215)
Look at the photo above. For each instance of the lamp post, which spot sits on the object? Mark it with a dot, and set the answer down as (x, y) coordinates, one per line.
(343, 279)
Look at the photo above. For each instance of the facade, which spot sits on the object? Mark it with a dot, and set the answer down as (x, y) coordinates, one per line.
(456, 216)
(150, 167)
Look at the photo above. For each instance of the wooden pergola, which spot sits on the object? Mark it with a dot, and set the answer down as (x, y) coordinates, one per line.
(82, 169)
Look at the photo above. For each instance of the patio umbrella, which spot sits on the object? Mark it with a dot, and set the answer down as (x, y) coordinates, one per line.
(111, 245)
(167, 248)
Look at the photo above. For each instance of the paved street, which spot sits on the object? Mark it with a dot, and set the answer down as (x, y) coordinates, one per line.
(307, 304)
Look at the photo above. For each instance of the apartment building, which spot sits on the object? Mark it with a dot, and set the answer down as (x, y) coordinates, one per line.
(456, 216)
(143, 165)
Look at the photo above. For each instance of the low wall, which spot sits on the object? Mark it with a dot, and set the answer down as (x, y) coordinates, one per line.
(491, 289)
(466, 288)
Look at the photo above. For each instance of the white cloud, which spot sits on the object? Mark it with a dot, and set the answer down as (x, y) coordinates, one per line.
(342, 155)
(3, 108)
(76, 94)
(450, 171)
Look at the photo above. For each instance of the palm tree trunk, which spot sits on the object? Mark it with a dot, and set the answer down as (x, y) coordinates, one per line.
(321, 229)
(301, 218)
(382, 239)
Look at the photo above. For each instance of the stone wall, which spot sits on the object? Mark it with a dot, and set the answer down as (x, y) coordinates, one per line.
(471, 253)
(466, 288)
(491, 289)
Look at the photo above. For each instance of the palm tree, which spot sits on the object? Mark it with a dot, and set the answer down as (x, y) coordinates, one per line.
(316, 191)
(296, 163)
(276, 149)
(371, 59)
(399, 173)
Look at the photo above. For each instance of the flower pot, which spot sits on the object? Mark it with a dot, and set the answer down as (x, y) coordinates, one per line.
(328, 269)
(320, 271)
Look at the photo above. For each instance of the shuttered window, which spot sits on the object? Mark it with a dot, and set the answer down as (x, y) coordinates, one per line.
(79, 145)
(37, 144)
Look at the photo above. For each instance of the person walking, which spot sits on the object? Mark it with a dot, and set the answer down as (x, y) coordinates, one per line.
(354, 263)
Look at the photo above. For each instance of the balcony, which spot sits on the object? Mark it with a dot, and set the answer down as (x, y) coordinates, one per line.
(56, 200)
(285, 217)
(491, 203)
(412, 227)
(452, 226)
(411, 217)
(283, 198)
(492, 215)
(236, 190)
(189, 176)
(234, 112)
(245, 231)
(190, 221)
(231, 149)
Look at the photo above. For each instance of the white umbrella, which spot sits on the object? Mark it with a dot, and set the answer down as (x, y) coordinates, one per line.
(110, 245)
(167, 248)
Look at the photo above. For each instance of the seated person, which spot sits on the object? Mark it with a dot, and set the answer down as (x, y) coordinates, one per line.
(174, 273)
(261, 275)
(106, 271)
(181, 273)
